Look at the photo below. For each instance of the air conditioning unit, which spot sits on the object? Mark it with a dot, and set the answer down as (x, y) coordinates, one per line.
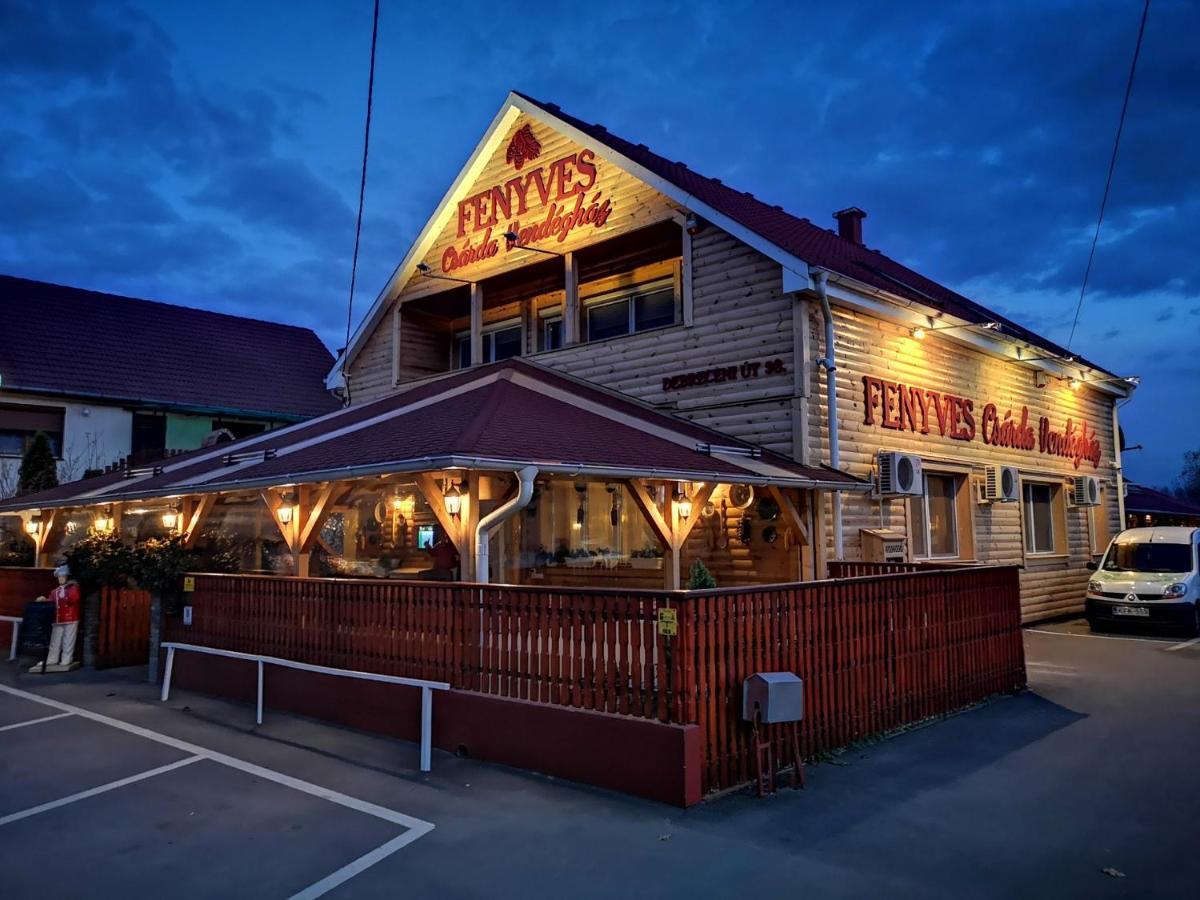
(900, 474)
(1085, 490)
(1001, 484)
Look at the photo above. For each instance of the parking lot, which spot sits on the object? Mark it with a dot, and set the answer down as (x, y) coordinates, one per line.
(1084, 786)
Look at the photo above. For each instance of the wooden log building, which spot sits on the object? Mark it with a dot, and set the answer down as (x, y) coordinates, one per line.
(702, 376)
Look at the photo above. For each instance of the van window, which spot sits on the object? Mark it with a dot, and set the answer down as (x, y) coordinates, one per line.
(1146, 557)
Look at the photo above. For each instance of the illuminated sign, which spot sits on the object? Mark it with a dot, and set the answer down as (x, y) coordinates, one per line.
(560, 187)
(904, 407)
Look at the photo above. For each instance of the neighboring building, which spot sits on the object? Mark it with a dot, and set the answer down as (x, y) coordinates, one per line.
(623, 276)
(1146, 507)
(109, 377)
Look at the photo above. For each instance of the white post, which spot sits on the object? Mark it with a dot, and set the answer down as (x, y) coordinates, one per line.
(166, 690)
(12, 654)
(260, 670)
(426, 728)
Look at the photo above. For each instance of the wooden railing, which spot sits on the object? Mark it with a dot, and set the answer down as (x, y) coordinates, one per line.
(875, 652)
(852, 568)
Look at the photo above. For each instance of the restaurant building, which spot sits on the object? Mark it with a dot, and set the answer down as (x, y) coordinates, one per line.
(595, 366)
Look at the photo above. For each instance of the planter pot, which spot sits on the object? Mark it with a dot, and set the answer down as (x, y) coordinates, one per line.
(580, 562)
(647, 562)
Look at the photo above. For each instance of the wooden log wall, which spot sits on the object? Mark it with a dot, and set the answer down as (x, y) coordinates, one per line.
(1050, 585)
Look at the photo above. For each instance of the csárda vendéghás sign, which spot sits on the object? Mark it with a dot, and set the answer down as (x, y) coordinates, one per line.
(560, 187)
(904, 407)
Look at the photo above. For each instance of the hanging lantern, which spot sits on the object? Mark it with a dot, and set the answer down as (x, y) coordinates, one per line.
(287, 509)
(33, 527)
(453, 498)
(170, 518)
(683, 504)
(104, 522)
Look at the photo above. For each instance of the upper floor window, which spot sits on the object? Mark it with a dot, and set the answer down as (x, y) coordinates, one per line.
(550, 329)
(630, 310)
(500, 341)
(19, 423)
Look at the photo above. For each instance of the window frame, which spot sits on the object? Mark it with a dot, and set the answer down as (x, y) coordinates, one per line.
(58, 450)
(1058, 519)
(487, 342)
(628, 295)
(955, 480)
(964, 512)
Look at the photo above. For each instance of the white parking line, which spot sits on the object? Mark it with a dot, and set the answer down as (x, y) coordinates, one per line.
(35, 721)
(416, 827)
(92, 792)
(1192, 643)
(1100, 637)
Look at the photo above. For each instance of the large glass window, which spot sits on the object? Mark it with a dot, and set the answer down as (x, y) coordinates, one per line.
(550, 335)
(934, 517)
(19, 423)
(498, 342)
(1039, 501)
(648, 306)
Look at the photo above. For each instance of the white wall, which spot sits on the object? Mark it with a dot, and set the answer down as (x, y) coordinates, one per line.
(93, 437)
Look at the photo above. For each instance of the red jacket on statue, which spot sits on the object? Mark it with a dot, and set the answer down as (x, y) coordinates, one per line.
(66, 603)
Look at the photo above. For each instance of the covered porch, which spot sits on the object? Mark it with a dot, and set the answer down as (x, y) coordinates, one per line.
(504, 473)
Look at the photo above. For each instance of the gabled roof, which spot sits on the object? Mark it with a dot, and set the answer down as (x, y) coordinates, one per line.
(1142, 499)
(78, 343)
(796, 243)
(497, 417)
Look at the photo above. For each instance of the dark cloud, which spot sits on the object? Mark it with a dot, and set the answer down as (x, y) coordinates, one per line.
(223, 140)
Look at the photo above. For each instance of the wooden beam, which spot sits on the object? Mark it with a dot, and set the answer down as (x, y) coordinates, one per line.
(201, 507)
(315, 516)
(476, 324)
(644, 501)
(683, 527)
(273, 499)
(791, 514)
(571, 308)
(432, 492)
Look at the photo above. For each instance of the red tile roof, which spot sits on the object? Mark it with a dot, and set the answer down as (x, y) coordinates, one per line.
(799, 237)
(508, 414)
(79, 343)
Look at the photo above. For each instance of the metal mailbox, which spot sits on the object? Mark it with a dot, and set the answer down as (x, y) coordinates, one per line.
(779, 697)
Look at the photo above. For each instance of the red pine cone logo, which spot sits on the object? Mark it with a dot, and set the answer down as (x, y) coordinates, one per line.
(524, 146)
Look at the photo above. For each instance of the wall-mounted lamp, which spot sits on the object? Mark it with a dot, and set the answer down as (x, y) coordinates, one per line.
(514, 241)
(683, 504)
(287, 509)
(103, 522)
(33, 527)
(424, 269)
(453, 500)
(920, 332)
(693, 223)
(170, 518)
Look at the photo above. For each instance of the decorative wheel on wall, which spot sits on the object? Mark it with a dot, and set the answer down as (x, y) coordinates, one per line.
(741, 495)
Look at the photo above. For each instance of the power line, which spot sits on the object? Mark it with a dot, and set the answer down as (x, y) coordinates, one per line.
(1112, 164)
(362, 189)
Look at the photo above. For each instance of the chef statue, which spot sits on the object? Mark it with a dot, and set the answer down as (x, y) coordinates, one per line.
(65, 598)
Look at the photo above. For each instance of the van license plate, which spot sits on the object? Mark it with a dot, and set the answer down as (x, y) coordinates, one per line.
(1131, 611)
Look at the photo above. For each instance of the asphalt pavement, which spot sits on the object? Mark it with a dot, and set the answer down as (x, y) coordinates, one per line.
(1085, 786)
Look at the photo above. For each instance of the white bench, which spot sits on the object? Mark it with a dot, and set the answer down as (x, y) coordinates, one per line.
(427, 687)
(16, 624)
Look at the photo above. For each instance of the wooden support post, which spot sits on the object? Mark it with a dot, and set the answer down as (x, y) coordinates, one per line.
(476, 324)
(571, 309)
(821, 556)
(41, 540)
(456, 527)
(671, 530)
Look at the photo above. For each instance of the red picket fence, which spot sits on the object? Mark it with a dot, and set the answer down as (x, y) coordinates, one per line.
(123, 636)
(875, 652)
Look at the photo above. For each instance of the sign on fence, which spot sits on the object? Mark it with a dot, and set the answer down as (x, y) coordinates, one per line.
(668, 622)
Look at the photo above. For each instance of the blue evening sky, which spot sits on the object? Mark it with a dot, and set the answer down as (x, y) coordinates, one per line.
(207, 153)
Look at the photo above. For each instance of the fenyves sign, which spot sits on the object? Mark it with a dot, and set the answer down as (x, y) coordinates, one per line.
(904, 407)
(563, 188)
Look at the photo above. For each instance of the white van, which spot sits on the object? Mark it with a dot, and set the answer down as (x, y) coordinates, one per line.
(1147, 575)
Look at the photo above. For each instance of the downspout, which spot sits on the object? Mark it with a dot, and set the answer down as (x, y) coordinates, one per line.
(1119, 466)
(829, 364)
(498, 517)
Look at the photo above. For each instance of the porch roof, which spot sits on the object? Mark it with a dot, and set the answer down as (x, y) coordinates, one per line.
(498, 417)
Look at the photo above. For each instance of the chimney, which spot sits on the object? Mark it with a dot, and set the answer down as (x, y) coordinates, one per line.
(850, 224)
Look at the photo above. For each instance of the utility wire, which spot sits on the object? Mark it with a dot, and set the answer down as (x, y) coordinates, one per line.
(362, 189)
(1112, 164)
